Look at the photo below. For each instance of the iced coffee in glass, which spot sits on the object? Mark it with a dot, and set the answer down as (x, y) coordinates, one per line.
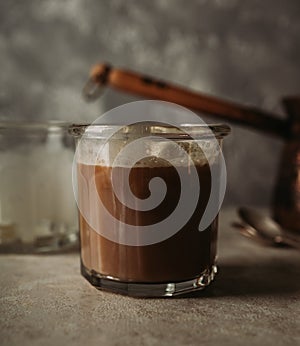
(131, 242)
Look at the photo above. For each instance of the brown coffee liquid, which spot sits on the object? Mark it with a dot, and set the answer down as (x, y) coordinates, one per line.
(183, 256)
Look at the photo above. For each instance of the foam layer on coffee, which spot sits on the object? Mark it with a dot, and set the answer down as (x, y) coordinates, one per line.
(157, 153)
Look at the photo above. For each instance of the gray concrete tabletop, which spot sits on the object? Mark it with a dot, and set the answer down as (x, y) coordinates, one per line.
(255, 300)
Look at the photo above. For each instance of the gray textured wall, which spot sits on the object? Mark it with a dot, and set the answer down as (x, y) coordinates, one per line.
(246, 51)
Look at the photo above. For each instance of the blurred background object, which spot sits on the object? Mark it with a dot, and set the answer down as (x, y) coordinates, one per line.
(37, 207)
(243, 51)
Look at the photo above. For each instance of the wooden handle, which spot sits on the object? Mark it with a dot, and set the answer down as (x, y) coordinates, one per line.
(138, 84)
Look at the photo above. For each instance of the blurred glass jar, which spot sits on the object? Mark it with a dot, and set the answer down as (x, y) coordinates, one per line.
(37, 208)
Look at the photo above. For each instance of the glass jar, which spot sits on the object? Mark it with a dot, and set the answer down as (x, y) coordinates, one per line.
(140, 249)
(37, 208)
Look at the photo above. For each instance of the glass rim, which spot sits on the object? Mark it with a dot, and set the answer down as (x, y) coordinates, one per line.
(183, 131)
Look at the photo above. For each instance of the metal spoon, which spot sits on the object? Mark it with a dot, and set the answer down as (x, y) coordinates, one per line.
(250, 233)
(265, 229)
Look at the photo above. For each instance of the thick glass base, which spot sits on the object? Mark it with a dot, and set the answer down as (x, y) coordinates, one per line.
(136, 289)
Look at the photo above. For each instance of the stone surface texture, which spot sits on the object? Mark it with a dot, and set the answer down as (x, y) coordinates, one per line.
(255, 300)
